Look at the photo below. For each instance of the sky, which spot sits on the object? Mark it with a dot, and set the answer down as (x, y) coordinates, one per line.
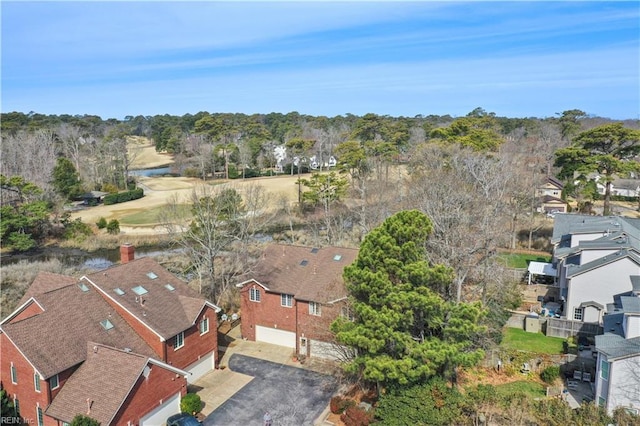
(516, 59)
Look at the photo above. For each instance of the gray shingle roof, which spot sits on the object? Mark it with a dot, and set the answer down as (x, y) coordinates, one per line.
(574, 270)
(55, 339)
(282, 269)
(615, 346)
(630, 304)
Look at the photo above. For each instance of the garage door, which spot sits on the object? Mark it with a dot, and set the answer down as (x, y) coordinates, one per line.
(275, 336)
(200, 368)
(326, 350)
(160, 414)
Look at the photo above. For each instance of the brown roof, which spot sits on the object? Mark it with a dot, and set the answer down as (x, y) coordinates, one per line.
(45, 282)
(167, 312)
(55, 339)
(105, 378)
(307, 273)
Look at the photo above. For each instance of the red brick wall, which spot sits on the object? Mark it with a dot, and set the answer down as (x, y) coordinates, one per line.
(317, 327)
(268, 312)
(24, 390)
(147, 394)
(195, 345)
(147, 335)
(29, 311)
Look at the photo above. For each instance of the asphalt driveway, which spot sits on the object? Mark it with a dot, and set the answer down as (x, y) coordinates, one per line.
(293, 396)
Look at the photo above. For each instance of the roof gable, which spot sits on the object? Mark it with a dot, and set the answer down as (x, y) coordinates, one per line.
(312, 274)
(140, 287)
(45, 282)
(574, 270)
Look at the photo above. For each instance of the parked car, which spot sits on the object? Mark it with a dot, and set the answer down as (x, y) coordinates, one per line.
(182, 419)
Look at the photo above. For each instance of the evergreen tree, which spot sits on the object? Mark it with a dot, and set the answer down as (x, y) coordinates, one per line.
(405, 331)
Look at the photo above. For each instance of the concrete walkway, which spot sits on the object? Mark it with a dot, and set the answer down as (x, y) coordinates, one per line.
(221, 384)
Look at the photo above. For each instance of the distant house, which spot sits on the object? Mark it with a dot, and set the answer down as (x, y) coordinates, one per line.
(119, 345)
(551, 187)
(293, 295)
(618, 368)
(549, 194)
(94, 197)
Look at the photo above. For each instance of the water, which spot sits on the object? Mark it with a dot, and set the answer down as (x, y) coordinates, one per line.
(158, 171)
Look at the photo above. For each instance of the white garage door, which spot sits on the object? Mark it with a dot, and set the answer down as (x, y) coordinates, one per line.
(160, 414)
(200, 368)
(275, 336)
(325, 350)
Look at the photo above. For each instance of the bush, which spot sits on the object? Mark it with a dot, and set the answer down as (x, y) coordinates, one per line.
(76, 229)
(339, 404)
(191, 403)
(191, 172)
(121, 197)
(355, 416)
(550, 374)
(101, 223)
(113, 227)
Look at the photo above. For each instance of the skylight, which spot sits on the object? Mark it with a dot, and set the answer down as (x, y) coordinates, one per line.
(169, 287)
(83, 287)
(118, 291)
(139, 290)
(337, 257)
(106, 324)
(304, 262)
(315, 250)
(152, 275)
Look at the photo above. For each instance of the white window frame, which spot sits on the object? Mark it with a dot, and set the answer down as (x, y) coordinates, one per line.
(315, 308)
(178, 341)
(602, 369)
(36, 381)
(57, 382)
(286, 300)
(39, 416)
(254, 294)
(14, 374)
(204, 326)
(578, 314)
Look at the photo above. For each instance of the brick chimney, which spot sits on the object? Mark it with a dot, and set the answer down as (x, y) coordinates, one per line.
(127, 253)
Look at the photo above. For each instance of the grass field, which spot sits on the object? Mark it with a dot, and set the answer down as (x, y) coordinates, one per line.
(146, 217)
(515, 338)
(521, 260)
(529, 388)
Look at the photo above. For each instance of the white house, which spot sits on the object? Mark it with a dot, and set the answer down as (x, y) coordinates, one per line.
(617, 381)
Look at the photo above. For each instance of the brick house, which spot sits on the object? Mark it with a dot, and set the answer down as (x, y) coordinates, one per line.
(293, 295)
(44, 343)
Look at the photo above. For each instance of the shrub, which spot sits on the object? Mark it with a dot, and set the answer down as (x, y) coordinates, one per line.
(113, 227)
(191, 172)
(101, 223)
(76, 229)
(339, 404)
(550, 374)
(121, 197)
(191, 403)
(355, 416)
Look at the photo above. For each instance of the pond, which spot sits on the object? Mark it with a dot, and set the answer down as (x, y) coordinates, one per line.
(158, 171)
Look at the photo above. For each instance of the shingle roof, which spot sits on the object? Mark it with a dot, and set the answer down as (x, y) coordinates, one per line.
(574, 270)
(609, 226)
(45, 282)
(105, 379)
(615, 346)
(630, 304)
(307, 273)
(166, 311)
(55, 339)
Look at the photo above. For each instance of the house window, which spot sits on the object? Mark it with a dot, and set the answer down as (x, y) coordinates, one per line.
(286, 300)
(40, 416)
(347, 313)
(314, 308)
(36, 381)
(14, 374)
(179, 342)
(16, 405)
(601, 401)
(604, 369)
(254, 294)
(204, 326)
(577, 314)
(54, 382)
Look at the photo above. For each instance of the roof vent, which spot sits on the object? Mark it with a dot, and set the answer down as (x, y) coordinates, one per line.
(305, 262)
(127, 350)
(315, 250)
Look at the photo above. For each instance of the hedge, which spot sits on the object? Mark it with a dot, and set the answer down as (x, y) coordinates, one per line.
(121, 197)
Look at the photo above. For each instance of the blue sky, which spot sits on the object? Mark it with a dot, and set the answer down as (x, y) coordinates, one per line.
(517, 59)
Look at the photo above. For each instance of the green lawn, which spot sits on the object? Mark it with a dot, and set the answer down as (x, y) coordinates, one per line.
(515, 338)
(147, 217)
(531, 389)
(521, 260)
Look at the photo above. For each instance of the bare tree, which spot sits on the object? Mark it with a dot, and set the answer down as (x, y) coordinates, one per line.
(30, 155)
